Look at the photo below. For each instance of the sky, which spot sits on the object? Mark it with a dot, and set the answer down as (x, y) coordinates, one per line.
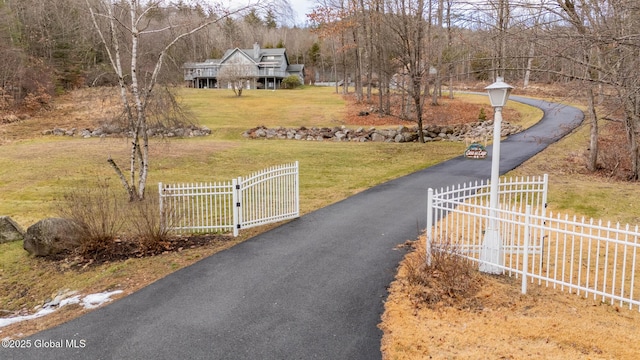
(301, 7)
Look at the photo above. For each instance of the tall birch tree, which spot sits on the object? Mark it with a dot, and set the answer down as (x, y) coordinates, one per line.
(124, 27)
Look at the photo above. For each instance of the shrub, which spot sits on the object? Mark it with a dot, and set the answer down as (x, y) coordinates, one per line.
(614, 155)
(482, 116)
(146, 225)
(98, 214)
(291, 82)
(450, 279)
(39, 99)
(110, 225)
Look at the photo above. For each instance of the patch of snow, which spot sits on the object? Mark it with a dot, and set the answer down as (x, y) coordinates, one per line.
(90, 301)
(94, 300)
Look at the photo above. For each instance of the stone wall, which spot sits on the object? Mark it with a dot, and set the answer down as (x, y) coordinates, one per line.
(115, 131)
(474, 131)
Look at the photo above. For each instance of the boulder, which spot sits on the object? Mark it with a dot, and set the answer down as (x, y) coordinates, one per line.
(376, 137)
(410, 136)
(51, 236)
(10, 230)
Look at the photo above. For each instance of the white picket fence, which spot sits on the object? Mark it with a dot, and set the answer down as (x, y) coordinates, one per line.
(264, 197)
(585, 257)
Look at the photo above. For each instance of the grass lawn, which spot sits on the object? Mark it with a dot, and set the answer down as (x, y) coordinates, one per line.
(36, 171)
(573, 191)
(48, 166)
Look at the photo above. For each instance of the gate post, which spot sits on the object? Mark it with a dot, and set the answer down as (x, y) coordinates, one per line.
(297, 190)
(545, 189)
(525, 260)
(429, 231)
(160, 205)
(235, 199)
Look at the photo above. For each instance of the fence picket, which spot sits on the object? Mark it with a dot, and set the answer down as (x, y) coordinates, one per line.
(579, 256)
(263, 197)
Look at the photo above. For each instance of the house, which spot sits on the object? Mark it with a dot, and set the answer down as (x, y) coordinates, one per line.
(259, 69)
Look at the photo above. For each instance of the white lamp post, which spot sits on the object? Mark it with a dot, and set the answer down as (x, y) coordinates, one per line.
(491, 252)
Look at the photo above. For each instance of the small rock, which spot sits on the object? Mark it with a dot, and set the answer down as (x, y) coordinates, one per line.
(376, 137)
(10, 230)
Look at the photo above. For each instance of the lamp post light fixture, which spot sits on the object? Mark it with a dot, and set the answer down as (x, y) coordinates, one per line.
(491, 253)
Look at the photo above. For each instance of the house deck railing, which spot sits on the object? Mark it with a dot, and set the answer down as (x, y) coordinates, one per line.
(213, 72)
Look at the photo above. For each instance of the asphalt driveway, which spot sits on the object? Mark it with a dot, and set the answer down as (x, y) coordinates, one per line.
(310, 289)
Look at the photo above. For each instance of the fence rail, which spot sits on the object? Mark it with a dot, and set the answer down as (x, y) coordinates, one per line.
(585, 257)
(269, 196)
(263, 197)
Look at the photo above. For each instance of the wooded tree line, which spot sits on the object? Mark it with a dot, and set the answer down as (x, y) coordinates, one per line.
(414, 50)
(424, 46)
(48, 47)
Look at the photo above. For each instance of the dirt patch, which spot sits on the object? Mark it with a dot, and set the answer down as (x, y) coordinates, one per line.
(448, 112)
(122, 249)
(85, 108)
(498, 322)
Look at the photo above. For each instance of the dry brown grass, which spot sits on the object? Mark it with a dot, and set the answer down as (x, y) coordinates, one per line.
(502, 323)
(546, 323)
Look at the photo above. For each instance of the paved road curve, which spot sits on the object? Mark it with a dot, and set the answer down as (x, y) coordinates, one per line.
(310, 289)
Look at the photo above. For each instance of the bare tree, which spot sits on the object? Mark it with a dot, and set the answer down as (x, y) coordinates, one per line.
(332, 23)
(137, 19)
(406, 23)
(610, 43)
(237, 75)
(12, 58)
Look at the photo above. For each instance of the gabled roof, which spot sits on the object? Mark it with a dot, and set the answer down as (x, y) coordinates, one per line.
(230, 53)
(261, 60)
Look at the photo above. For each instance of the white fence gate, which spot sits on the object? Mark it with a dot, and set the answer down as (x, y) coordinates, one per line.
(582, 256)
(264, 197)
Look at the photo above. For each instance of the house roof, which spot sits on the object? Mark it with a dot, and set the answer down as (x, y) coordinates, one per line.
(263, 52)
(262, 59)
(295, 68)
(230, 52)
(249, 53)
